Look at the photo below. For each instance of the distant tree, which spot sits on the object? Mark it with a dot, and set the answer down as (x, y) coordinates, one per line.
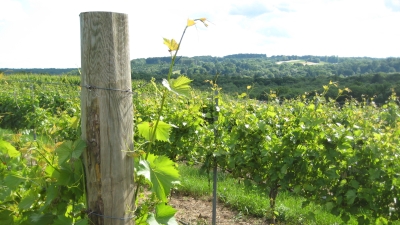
(183, 71)
(377, 78)
(136, 62)
(208, 66)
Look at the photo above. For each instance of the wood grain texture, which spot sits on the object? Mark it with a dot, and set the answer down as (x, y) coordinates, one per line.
(107, 116)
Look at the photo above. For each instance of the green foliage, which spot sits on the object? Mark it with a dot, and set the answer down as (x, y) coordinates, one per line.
(47, 71)
(161, 131)
(311, 146)
(164, 215)
(70, 150)
(41, 185)
(180, 86)
(327, 153)
(45, 104)
(7, 149)
(161, 172)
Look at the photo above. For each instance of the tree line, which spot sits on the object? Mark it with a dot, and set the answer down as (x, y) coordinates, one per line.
(258, 65)
(288, 76)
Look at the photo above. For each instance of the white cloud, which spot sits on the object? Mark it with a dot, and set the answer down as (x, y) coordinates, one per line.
(393, 5)
(249, 9)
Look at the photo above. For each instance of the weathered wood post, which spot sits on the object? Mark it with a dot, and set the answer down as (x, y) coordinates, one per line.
(107, 117)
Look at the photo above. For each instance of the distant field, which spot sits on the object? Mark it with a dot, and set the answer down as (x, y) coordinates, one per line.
(300, 61)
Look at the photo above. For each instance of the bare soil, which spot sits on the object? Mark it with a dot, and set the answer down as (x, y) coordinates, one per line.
(198, 211)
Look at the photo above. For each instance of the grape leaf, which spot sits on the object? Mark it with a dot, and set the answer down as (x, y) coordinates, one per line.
(69, 149)
(62, 220)
(171, 44)
(13, 180)
(7, 148)
(351, 196)
(190, 22)
(161, 171)
(166, 217)
(28, 200)
(6, 217)
(64, 151)
(82, 222)
(162, 131)
(179, 86)
(165, 214)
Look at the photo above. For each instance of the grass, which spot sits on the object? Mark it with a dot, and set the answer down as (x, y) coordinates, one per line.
(253, 200)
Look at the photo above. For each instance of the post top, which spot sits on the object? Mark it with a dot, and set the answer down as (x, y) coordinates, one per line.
(100, 12)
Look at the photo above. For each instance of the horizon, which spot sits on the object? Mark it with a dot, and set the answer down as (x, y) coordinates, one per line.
(199, 56)
(46, 33)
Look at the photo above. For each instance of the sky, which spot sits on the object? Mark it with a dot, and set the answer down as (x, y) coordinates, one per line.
(46, 33)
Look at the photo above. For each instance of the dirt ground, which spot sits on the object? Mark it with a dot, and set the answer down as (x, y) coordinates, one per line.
(198, 211)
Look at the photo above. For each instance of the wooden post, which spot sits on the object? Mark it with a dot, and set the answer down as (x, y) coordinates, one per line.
(107, 117)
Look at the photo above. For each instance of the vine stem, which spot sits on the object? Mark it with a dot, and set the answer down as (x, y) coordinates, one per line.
(171, 66)
(165, 93)
(153, 134)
